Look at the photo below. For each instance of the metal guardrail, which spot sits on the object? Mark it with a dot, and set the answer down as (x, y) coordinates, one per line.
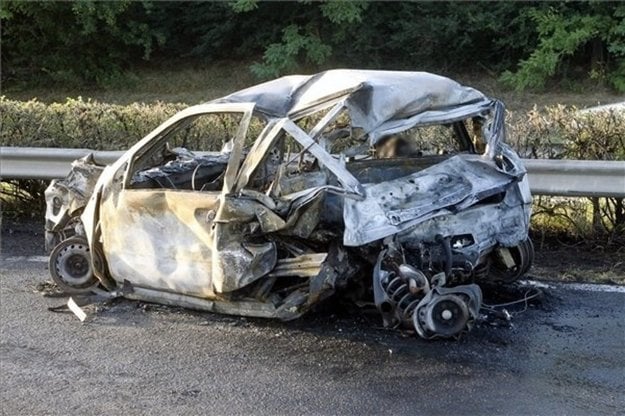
(547, 177)
(616, 107)
(576, 177)
(45, 162)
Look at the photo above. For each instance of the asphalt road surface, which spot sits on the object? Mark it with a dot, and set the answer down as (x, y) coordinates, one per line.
(564, 355)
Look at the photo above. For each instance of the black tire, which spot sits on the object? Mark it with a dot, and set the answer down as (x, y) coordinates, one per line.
(70, 266)
(523, 255)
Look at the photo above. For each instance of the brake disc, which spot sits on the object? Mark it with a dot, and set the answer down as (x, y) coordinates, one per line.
(447, 312)
(446, 316)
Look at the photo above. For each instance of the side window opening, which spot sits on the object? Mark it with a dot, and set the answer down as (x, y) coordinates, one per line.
(475, 127)
(399, 154)
(418, 141)
(332, 136)
(191, 156)
(205, 133)
(287, 168)
(441, 139)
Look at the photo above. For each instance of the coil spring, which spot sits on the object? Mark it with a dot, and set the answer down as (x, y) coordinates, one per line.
(398, 292)
(480, 271)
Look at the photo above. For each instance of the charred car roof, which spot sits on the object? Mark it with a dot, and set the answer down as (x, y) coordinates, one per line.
(379, 102)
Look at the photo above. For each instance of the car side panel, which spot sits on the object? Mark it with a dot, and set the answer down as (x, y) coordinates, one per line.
(161, 239)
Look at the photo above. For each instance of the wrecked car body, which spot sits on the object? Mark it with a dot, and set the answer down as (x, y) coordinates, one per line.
(397, 182)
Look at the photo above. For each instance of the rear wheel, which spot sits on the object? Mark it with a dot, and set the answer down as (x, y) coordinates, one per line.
(510, 263)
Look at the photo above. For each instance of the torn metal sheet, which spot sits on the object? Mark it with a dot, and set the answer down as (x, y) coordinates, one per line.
(394, 183)
(393, 206)
(66, 198)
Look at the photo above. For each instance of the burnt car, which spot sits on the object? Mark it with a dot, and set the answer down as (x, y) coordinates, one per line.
(397, 186)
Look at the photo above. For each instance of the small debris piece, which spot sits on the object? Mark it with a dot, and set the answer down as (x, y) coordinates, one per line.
(77, 310)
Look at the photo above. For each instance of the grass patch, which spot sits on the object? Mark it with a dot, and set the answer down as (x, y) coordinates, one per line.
(193, 84)
(578, 261)
(190, 85)
(585, 95)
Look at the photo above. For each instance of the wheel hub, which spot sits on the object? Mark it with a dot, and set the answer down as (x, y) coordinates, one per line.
(447, 315)
(70, 266)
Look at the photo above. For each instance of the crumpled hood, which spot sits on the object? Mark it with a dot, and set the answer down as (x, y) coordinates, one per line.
(72, 192)
(394, 206)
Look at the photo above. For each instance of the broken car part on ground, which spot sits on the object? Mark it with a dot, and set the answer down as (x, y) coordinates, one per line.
(393, 185)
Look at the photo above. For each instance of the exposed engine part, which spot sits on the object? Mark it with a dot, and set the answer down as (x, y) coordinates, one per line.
(70, 266)
(447, 312)
(446, 245)
(480, 271)
(73, 227)
(438, 297)
(417, 281)
(406, 295)
(456, 256)
(404, 291)
(447, 316)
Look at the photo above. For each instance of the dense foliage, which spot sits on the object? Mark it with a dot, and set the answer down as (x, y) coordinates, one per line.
(79, 124)
(98, 42)
(70, 42)
(588, 38)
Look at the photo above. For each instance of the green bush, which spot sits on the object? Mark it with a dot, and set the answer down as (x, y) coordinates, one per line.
(587, 36)
(561, 132)
(77, 42)
(79, 124)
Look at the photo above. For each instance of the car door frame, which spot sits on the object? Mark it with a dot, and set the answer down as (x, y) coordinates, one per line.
(114, 185)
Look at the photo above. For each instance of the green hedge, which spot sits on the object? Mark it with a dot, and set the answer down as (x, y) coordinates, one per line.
(560, 132)
(79, 124)
(551, 132)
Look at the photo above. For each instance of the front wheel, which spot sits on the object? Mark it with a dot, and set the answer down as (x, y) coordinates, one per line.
(70, 266)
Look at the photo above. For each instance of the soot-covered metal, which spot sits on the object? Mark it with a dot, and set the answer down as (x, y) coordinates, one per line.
(399, 184)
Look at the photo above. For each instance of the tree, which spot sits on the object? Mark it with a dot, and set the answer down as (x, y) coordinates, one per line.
(302, 39)
(74, 42)
(590, 36)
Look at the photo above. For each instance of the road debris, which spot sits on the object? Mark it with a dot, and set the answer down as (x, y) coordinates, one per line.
(77, 310)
